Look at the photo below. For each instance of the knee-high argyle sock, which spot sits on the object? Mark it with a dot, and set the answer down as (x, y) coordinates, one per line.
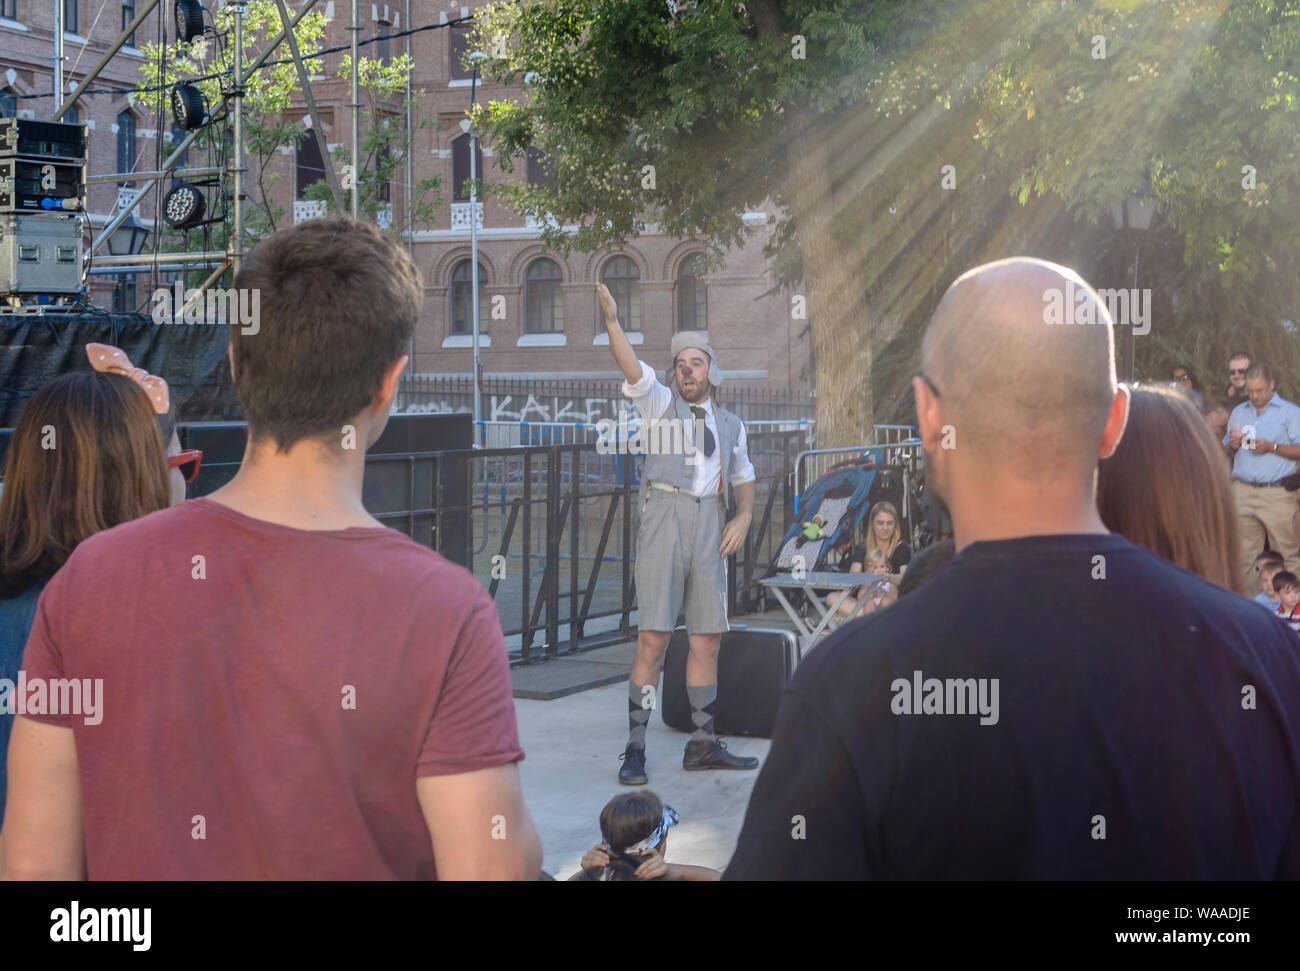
(703, 698)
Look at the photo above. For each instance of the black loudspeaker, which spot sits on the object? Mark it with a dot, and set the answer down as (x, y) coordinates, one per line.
(753, 668)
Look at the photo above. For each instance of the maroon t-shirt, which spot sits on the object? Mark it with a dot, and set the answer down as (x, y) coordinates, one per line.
(274, 691)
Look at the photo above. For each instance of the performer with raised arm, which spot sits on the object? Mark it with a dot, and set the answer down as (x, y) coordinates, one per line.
(684, 539)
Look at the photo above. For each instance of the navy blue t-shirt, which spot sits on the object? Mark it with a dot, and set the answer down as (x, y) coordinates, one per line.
(1088, 711)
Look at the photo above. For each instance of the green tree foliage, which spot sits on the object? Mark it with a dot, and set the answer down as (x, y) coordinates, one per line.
(844, 115)
(383, 143)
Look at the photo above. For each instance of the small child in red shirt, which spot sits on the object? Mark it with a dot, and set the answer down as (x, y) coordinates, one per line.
(1287, 587)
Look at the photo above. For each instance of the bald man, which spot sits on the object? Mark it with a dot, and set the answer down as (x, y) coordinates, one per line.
(1056, 703)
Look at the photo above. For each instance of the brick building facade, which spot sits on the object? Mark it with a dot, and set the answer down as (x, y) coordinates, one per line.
(538, 313)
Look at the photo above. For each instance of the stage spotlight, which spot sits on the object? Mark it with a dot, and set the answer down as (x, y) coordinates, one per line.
(187, 106)
(189, 20)
(183, 206)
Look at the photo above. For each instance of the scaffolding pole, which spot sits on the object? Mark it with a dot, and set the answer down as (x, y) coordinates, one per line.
(235, 244)
(356, 108)
(305, 80)
(58, 59)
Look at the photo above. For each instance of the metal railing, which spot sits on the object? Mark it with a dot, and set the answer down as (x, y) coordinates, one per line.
(552, 534)
(895, 443)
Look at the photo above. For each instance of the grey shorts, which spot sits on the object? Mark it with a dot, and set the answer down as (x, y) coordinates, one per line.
(677, 563)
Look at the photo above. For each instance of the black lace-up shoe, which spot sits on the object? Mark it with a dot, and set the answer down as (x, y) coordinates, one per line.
(632, 772)
(713, 754)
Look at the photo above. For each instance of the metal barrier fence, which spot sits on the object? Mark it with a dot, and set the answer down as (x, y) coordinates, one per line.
(899, 441)
(891, 434)
(509, 434)
(905, 455)
(553, 537)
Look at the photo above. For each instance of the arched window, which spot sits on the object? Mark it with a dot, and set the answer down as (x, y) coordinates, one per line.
(311, 167)
(461, 299)
(623, 278)
(126, 143)
(8, 104)
(692, 295)
(460, 168)
(543, 301)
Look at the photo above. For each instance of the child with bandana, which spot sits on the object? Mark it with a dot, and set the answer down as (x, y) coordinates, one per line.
(634, 840)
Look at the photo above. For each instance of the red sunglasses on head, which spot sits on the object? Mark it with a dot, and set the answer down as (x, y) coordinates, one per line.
(188, 462)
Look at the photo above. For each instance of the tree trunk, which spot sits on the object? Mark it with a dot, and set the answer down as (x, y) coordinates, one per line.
(838, 314)
(836, 301)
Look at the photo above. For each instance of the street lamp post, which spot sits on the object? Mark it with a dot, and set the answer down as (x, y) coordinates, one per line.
(1132, 216)
(128, 239)
(475, 57)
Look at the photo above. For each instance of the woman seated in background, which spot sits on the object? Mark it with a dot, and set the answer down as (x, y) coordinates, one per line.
(883, 534)
(86, 454)
(1166, 487)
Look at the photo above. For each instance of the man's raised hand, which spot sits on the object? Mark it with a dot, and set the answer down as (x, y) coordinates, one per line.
(607, 305)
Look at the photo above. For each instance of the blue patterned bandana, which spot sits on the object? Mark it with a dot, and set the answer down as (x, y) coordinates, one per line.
(654, 839)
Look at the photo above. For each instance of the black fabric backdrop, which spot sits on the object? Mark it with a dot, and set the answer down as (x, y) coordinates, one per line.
(191, 358)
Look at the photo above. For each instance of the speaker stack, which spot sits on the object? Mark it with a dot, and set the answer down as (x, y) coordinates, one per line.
(42, 208)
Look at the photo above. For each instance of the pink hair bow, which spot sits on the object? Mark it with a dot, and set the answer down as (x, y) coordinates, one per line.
(113, 360)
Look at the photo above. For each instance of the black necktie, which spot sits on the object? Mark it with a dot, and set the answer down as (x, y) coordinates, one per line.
(709, 443)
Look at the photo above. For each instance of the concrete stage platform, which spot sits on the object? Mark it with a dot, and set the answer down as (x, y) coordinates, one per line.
(573, 741)
(571, 767)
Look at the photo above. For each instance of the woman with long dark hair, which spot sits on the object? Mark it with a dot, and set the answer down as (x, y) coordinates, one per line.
(86, 454)
(1166, 487)
(1185, 381)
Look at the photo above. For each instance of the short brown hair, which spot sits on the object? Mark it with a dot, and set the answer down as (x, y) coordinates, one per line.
(337, 301)
(1166, 487)
(1286, 580)
(107, 466)
(1269, 556)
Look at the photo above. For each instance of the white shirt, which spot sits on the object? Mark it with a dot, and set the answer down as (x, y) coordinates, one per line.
(652, 397)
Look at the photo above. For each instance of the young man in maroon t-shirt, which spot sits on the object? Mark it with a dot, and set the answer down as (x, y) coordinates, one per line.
(276, 686)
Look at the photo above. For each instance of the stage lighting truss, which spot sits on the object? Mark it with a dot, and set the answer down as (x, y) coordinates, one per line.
(188, 109)
(183, 206)
(189, 20)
